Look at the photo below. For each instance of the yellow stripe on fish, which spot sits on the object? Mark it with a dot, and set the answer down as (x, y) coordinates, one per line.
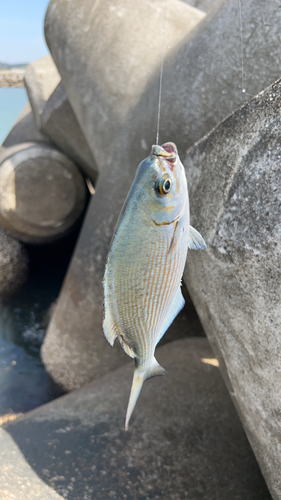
(142, 280)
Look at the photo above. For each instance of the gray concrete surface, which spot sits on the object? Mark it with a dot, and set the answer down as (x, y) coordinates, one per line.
(202, 81)
(104, 84)
(114, 94)
(13, 264)
(59, 123)
(202, 72)
(17, 478)
(204, 5)
(54, 115)
(41, 78)
(234, 183)
(42, 193)
(185, 439)
(24, 130)
(107, 54)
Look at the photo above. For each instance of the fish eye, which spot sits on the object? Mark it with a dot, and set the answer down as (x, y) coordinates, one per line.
(165, 184)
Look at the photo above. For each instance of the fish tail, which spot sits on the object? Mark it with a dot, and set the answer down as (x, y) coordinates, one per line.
(140, 377)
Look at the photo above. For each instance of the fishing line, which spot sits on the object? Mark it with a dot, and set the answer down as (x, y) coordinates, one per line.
(241, 48)
(161, 71)
(243, 90)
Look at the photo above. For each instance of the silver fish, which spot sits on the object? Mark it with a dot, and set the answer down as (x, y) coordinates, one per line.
(142, 281)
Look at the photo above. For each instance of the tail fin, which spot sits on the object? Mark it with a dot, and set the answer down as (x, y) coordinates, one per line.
(139, 378)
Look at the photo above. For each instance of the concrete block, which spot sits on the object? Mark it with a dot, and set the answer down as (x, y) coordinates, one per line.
(24, 130)
(54, 115)
(41, 78)
(204, 5)
(18, 479)
(108, 53)
(104, 86)
(202, 82)
(113, 90)
(234, 183)
(202, 72)
(42, 193)
(185, 439)
(13, 264)
(60, 124)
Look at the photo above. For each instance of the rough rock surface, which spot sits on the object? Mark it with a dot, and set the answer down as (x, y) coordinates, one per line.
(185, 438)
(234, 182)
(104, 86)
(11, 78)
(13, 264)
(42, 193)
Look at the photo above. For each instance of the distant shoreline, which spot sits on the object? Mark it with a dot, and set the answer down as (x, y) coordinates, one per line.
(12, 78)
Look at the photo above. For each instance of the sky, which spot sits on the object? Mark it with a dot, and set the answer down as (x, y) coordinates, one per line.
(21, 30)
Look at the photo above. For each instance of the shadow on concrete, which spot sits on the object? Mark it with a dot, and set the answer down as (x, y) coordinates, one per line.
(185, 439)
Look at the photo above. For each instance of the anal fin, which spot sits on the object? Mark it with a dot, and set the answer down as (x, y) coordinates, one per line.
(110, 329)
(113, 330)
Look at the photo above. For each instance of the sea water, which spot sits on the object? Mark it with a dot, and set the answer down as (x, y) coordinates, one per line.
(12, 101)
(24, 383)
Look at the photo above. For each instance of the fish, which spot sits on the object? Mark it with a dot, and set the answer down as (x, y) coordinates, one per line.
(145, 263)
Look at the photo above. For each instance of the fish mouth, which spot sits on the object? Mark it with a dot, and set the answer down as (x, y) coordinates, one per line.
(167, 222)
(168, 151)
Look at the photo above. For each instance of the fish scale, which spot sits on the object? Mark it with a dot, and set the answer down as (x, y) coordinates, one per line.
(146, 260)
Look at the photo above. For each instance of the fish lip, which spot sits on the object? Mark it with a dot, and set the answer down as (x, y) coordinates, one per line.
(166, 222)
(169, 155)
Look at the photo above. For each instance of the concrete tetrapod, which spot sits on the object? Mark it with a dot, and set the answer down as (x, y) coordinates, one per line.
(202, 69)
(42, 193)
(234, 181)
(185, 439)
(41, 78)
(105, 87)
(54, 115)
(107, 54)
(113, 89)
(13, 265)
(18, 480)
(60, 124)
(205, 5)
(24, 130)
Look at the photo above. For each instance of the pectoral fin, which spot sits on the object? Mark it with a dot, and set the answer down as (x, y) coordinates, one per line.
(175, 237)
(196, 242)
